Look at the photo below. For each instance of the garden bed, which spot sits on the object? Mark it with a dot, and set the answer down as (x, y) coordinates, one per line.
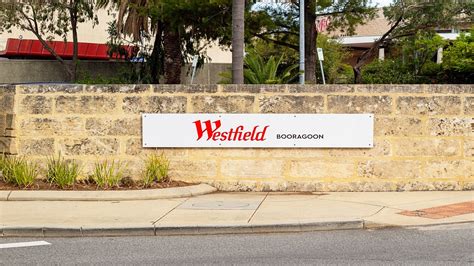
(84, 185)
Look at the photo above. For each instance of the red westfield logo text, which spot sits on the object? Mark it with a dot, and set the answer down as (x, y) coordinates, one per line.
(234, 134)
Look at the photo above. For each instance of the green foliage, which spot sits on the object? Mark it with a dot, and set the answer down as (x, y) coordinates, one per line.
(260, 70)
(335, 70)
(156, 169)
(280, 22)
(387, 72)
(196, 23)
(420, 49)
(257, 71)
(61, 172)
(45, 18)
(413, 61)
(18, 171)
(108, 174)
(458, 59)
(424, 16)
(128, 73)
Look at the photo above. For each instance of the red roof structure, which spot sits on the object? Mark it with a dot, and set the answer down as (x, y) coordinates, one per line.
(19, 48)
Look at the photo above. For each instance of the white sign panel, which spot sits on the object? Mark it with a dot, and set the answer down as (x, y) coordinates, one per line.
(320, 54)
(258, 130)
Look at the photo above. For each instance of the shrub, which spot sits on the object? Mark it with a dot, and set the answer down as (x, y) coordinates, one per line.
(156, 169)
(61, 172)
(260, 70)
(387, 71)
(108, 173)
(18, 171)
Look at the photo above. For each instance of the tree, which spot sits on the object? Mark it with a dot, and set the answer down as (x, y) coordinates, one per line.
(47, 19)
(409, 17)
(238, 10)
(182, 29)
(280, 24)
(458, 59)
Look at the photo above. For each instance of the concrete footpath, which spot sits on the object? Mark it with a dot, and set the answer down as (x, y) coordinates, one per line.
(218, 213)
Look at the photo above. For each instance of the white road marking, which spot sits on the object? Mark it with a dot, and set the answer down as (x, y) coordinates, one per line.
(24, 244)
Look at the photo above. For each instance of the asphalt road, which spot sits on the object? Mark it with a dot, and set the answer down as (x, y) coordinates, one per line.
(438, 245)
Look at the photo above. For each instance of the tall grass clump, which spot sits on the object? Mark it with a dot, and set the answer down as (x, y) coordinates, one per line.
(156, 169)
(108, 174)
(2, 165)
(18, 171)
(61, 172)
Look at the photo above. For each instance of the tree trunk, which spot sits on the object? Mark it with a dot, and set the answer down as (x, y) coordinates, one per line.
(365, 57)
(238, 8)
(172, 55)
(311, 36)
(156, 63)
(73, 15)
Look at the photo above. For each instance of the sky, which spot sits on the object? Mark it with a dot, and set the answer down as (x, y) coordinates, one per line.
(382, 2)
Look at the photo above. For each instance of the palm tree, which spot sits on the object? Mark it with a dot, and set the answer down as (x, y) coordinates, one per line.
(238, 8)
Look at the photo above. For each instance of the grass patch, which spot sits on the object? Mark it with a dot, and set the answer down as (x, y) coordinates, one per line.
(18, 171)
(61, 172)
(108, 174)
(156, 169)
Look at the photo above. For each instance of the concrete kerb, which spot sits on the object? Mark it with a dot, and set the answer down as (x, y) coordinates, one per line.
(146, 194)
(196, 230)
(179, 230)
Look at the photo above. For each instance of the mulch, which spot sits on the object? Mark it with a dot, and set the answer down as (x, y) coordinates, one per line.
(84, 185)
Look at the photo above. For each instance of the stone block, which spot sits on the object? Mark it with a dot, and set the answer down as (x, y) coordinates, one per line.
(254, 88)
(54, 126)
(398, 126)
(449, 88)
(437, 105)
(85, 104)
(223, 104)
(451, 126)
(322, 169)
(36, 147)
(89, 146)
(154, 104)
(193, 169)
(291, 104)
(449, 169)
(36, 105)
(292, 153)
(223, 153)
(3, 124)
(113, 127)
(184, 88)
(50, 88)
(4, 88)
(375, 169)
(252, 168)
(381, 148)
(427, 147)
(468, 147)
(469, 106)
(118, 88)
(10, 133)
(133, 146)
(10, 121)
(359, 104)
(319, 88)
(8, 145)
(389, 88)
(6, 103)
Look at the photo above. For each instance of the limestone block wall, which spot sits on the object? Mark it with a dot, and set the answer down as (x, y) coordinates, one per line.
(7, 101)
(424, 134)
